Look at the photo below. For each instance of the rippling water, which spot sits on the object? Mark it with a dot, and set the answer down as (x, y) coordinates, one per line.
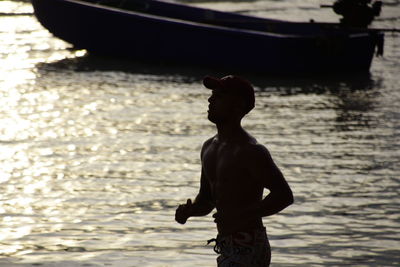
(97, 153)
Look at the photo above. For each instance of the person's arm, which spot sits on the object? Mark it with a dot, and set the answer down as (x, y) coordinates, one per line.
(280, 195)
(202, 205)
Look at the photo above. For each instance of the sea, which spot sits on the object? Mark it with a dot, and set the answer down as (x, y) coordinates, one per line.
(97, 153)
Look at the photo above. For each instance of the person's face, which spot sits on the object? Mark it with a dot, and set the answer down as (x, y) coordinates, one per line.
(221, 108)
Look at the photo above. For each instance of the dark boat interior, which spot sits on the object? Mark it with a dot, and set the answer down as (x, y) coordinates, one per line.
(218, 18)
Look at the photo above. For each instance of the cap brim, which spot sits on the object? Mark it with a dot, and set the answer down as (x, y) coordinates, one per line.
(212, 82)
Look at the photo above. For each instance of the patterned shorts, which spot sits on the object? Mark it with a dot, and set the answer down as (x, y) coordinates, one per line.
(246, 249)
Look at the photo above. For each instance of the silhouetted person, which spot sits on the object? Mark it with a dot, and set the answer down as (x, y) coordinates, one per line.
(235, 171)
(357, 13)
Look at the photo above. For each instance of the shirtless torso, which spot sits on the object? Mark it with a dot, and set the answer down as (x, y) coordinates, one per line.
(234, 190)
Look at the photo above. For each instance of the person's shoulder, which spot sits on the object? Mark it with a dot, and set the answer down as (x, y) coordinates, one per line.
(207, 144)
(208, 141)
(256, 147)
(253, 149)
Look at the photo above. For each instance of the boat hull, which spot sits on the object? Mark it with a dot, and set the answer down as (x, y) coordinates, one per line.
(136, 35)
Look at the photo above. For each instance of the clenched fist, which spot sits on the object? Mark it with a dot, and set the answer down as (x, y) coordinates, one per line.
(183, 212)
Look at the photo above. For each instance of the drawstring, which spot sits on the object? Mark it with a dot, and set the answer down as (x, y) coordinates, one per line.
(217, 246)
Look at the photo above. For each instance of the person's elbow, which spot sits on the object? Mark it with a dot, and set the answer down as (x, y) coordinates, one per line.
(287, 198)
(290, 197)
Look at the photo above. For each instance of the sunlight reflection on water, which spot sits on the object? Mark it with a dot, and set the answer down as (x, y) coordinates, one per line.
(96, 154)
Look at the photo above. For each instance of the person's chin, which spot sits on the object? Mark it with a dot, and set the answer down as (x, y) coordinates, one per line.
(211, 118)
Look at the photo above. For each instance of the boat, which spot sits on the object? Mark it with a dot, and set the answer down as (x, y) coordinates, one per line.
(173, 33)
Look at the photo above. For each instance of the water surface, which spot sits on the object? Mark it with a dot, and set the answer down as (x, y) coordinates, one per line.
(97, 153)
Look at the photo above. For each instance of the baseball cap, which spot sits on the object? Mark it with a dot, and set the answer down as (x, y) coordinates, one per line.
(235, 85)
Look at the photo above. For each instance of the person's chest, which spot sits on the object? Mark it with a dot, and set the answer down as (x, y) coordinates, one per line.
(223, 165)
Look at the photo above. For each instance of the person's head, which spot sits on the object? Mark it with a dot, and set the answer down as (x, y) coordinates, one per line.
(232, 98)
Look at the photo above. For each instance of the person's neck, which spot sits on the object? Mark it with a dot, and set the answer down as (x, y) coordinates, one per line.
(230, 131)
